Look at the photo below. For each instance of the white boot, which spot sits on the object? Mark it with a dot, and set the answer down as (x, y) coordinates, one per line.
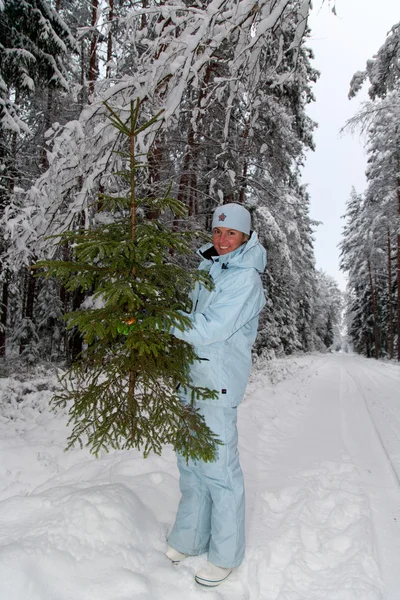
(174, 556)
(211, 576)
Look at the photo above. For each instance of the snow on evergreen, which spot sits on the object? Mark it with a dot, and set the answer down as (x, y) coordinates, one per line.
(371, 237)
(234, 83)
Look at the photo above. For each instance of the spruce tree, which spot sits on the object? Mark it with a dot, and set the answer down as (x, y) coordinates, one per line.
(124, 389)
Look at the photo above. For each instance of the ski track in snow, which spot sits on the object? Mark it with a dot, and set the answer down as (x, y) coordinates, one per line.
(381, 393)
(320, 451)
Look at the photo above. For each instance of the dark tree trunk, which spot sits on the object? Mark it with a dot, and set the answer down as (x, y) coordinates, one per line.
(3, 317)
(64, 297)
(93, 48)
(374, 311)
(184, 189)
(145, 4)
(75, 338)
(83, 93)
(390, 298)
(245, 137)
(398, 275)
(30, 296)
(109, 37)
(154, 176)
(187, 189)
(398, 297)
(47, 122)
(28, 302)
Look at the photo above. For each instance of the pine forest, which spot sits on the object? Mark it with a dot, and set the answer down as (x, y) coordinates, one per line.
(370, 248)
(232, 79)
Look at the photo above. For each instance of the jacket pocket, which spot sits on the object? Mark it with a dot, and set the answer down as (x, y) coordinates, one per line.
(204, 373)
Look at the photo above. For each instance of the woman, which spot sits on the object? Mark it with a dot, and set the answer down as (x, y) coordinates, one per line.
(224, 321)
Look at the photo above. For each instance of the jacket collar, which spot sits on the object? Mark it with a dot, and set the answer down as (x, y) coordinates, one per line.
(209, 253)
(251, 254)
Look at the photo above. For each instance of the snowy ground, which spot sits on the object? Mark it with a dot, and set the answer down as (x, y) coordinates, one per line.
(320, 450)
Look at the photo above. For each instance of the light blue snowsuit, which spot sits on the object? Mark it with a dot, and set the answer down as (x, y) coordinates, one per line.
(210, 516)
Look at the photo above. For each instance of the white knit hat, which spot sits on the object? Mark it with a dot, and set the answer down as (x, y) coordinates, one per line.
(233, 216)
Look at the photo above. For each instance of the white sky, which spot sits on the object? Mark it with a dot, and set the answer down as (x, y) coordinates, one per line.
(341, 45)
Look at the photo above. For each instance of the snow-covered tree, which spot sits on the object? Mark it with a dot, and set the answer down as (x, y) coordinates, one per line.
(378, 239)
(214, 68)
(34, 47)
(234, 79)
(328, 312)
(381, 70)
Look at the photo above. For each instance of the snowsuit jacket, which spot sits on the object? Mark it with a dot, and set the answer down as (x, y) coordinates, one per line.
(225, 319)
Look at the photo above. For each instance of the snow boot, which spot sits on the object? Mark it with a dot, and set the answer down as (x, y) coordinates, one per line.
(211, 576)
(174, 556)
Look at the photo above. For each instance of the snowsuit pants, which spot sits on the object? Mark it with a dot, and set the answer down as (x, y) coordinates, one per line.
(211, 512)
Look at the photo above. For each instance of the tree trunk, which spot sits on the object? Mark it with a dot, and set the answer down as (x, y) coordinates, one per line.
(29, 302)
(155, 158)
(187, 189)
(145, 4)
(3, 317)
(243, 186)
(83, 93)
(184, 191)
(398, 297)
(132, 163)
(65, 299)
(245, 137)
(109, 37)
(398, 273)
(13, 169)
(390, 298)
(47, 122)
(374, 311)
(75, 341)
(30, 296)
(93, 48)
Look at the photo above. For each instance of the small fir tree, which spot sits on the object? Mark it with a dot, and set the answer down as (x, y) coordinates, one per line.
(123, 391)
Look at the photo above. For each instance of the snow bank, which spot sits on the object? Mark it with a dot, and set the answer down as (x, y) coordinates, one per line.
(75, 543)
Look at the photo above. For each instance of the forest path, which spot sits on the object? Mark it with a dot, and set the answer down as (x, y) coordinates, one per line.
(319, 439)
(324, 507)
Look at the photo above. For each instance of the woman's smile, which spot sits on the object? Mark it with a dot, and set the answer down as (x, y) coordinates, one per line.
(226, 240)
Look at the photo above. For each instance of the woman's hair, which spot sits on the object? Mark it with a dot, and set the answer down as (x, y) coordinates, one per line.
(246, 237)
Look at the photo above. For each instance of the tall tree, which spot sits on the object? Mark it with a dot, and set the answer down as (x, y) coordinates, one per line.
(34, 46)
(380, 118)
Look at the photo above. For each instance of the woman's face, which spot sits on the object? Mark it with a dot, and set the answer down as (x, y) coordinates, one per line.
(226, 240)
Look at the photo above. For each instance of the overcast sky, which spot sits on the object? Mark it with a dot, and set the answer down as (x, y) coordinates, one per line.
(342, 44)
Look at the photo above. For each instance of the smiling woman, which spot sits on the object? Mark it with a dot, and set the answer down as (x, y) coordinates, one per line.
(224, 321)
(235, 230)
(226, 240)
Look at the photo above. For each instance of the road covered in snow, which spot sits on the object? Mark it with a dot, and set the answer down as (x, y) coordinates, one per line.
(320, 451)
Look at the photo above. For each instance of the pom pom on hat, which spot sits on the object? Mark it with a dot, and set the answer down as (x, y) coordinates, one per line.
(233, 216)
